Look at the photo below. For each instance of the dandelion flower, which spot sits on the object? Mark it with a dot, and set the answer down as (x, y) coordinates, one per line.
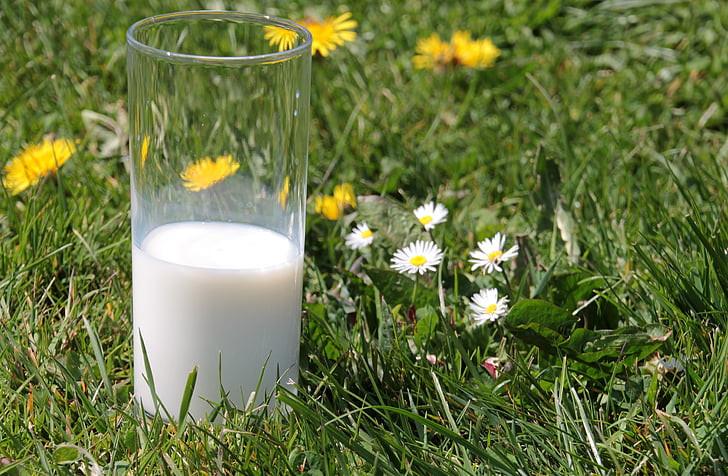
(328, 207)
(490, 254)
(431, 214)
(417, 257)
(486, 307)
(206, 172)
(145, 149)
(332, 206)
(473, 53)
(283, 192)
(283, 37)
(330, 33)
(360, 237)
(432, 52)
(344, 195)
(461, 50)
(35, 162)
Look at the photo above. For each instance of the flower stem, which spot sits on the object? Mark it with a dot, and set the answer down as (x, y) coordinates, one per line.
(414, 288)
(508, 282)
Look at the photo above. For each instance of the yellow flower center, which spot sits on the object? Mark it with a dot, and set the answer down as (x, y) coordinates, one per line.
(366, 233)
(495, 255)
(426, 219)
(418, 260)
(491, 309)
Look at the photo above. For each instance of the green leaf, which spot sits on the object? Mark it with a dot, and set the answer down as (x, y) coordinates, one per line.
(66, 454)
(320, 332)
(542, 313)
(539, 323)
(99, 354)
(616, 344)
(426, 324)
(390, 220)
(397, 288)
(187, 397)
(572, 290)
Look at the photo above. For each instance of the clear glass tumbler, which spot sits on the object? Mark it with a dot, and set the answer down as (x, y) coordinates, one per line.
(219, 122)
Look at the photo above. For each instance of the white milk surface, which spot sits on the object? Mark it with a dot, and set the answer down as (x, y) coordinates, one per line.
(209, 291)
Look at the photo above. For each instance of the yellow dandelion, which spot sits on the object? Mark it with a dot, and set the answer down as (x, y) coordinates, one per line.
(432, 52)
(283, 37)
(473, 53)
(462, 50)
(328, 207)
(145, 149)
(283, 192)
(344, 195)
(330, 33)
(206, 172)
(35, 162)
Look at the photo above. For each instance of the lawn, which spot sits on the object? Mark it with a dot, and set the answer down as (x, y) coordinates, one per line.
(595, 142)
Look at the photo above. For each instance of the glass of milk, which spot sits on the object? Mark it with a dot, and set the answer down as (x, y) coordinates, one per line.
(219, 116)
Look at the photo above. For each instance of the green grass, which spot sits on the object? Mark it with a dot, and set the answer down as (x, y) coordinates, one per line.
(603, 124)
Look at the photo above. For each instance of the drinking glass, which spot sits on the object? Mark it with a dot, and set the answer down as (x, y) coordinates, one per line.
(219, 117)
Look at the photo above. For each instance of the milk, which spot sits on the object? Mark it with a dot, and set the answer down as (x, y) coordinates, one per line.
(211, 293)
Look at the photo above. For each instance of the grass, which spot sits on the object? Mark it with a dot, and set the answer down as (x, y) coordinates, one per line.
(598, 139)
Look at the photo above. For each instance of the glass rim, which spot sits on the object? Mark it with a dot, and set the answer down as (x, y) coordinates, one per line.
(174, 56)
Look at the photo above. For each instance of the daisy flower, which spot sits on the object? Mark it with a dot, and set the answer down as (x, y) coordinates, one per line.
(330, 33)
(417, 257)
(431, 214)
(206, 172)
(491, 254)
(486, 307)
(35, 162)
(360, 237)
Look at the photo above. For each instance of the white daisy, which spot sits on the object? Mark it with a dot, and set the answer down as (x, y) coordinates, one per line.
(431, 214)
(360, 237)
(417, 257)
(491, 254)
(486, 307)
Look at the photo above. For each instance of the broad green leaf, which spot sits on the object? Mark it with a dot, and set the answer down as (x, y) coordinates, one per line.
(538, 335)
(426, 324)
(572, 290)
(397, 288)
(616, 344)
(543, 313)
(66, 454)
